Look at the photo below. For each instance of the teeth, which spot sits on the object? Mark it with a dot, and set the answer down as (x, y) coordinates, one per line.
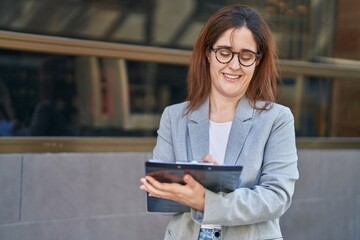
(231, 76)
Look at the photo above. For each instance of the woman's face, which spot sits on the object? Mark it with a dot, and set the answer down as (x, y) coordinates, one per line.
(231, 80)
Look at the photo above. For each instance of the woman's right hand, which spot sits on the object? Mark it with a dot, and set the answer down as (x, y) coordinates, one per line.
(191, 194)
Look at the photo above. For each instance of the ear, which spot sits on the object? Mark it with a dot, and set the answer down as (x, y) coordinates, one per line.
(208, 56)
(258, 60)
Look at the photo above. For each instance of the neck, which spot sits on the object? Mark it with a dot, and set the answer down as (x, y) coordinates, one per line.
(222, 109)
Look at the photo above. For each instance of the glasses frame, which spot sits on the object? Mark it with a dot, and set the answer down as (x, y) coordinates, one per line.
(215, 50)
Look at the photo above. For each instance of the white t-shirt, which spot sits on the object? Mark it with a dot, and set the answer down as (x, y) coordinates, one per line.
(218, 136)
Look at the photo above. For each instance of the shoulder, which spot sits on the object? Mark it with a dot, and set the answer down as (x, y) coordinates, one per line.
(177, 108)
(280, 109)
(275, 111)
(175, 111)
(277, 121)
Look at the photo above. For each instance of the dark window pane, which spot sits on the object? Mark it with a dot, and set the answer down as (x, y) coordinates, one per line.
(50, 95)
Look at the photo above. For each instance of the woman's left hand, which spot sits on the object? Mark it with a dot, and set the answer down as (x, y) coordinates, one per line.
(191, 194)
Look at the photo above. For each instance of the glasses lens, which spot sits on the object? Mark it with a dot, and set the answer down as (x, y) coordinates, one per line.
(224, 55)
(247, 58)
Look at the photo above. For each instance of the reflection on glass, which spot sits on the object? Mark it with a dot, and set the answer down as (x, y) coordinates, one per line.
(54, 111)
(49, 95)
(173, 24)
(55, 95)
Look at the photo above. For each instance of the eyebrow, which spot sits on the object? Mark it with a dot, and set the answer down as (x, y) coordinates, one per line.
(230, 48)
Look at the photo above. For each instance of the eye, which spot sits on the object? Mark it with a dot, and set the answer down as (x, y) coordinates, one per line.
(246, 56)
(224, 52)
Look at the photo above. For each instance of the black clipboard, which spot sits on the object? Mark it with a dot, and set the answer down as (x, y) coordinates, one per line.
(216, 178)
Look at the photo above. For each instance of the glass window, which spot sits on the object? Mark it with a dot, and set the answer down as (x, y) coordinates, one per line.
(56, 95)
(172, 24)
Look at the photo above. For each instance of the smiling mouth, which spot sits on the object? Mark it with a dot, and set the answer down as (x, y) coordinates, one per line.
(231, 77)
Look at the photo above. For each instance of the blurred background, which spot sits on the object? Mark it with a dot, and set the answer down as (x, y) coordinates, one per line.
(82, 87)
(109, 67)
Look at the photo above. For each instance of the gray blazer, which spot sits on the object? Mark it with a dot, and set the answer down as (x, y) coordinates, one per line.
(262, 142)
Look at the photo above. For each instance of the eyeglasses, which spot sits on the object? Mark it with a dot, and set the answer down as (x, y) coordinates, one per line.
(225, 55)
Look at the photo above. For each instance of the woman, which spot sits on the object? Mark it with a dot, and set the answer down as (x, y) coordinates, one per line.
(230, 118)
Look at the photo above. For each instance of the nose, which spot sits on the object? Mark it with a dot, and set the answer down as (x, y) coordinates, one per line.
(235, 62)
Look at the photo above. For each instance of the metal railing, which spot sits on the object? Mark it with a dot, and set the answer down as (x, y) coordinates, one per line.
(61, 45)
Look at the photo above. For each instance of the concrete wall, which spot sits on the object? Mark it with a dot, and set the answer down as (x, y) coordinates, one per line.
(96, 196)
(75, 196)
(326, 203)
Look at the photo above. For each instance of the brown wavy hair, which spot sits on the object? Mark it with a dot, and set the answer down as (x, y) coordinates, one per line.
(264, 83)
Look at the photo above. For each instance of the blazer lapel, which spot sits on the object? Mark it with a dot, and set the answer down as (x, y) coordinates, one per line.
(239, 131)
(199, 132)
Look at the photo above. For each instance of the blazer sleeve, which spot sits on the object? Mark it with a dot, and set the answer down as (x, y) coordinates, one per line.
(164, 149)
(271, 197)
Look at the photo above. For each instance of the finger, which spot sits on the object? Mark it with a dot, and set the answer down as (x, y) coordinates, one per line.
(206, 158)
(209, 159)
(144, 184)
(152, 181)
(148, 186)
(159, 185)
(190, 181)
(156, 188)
